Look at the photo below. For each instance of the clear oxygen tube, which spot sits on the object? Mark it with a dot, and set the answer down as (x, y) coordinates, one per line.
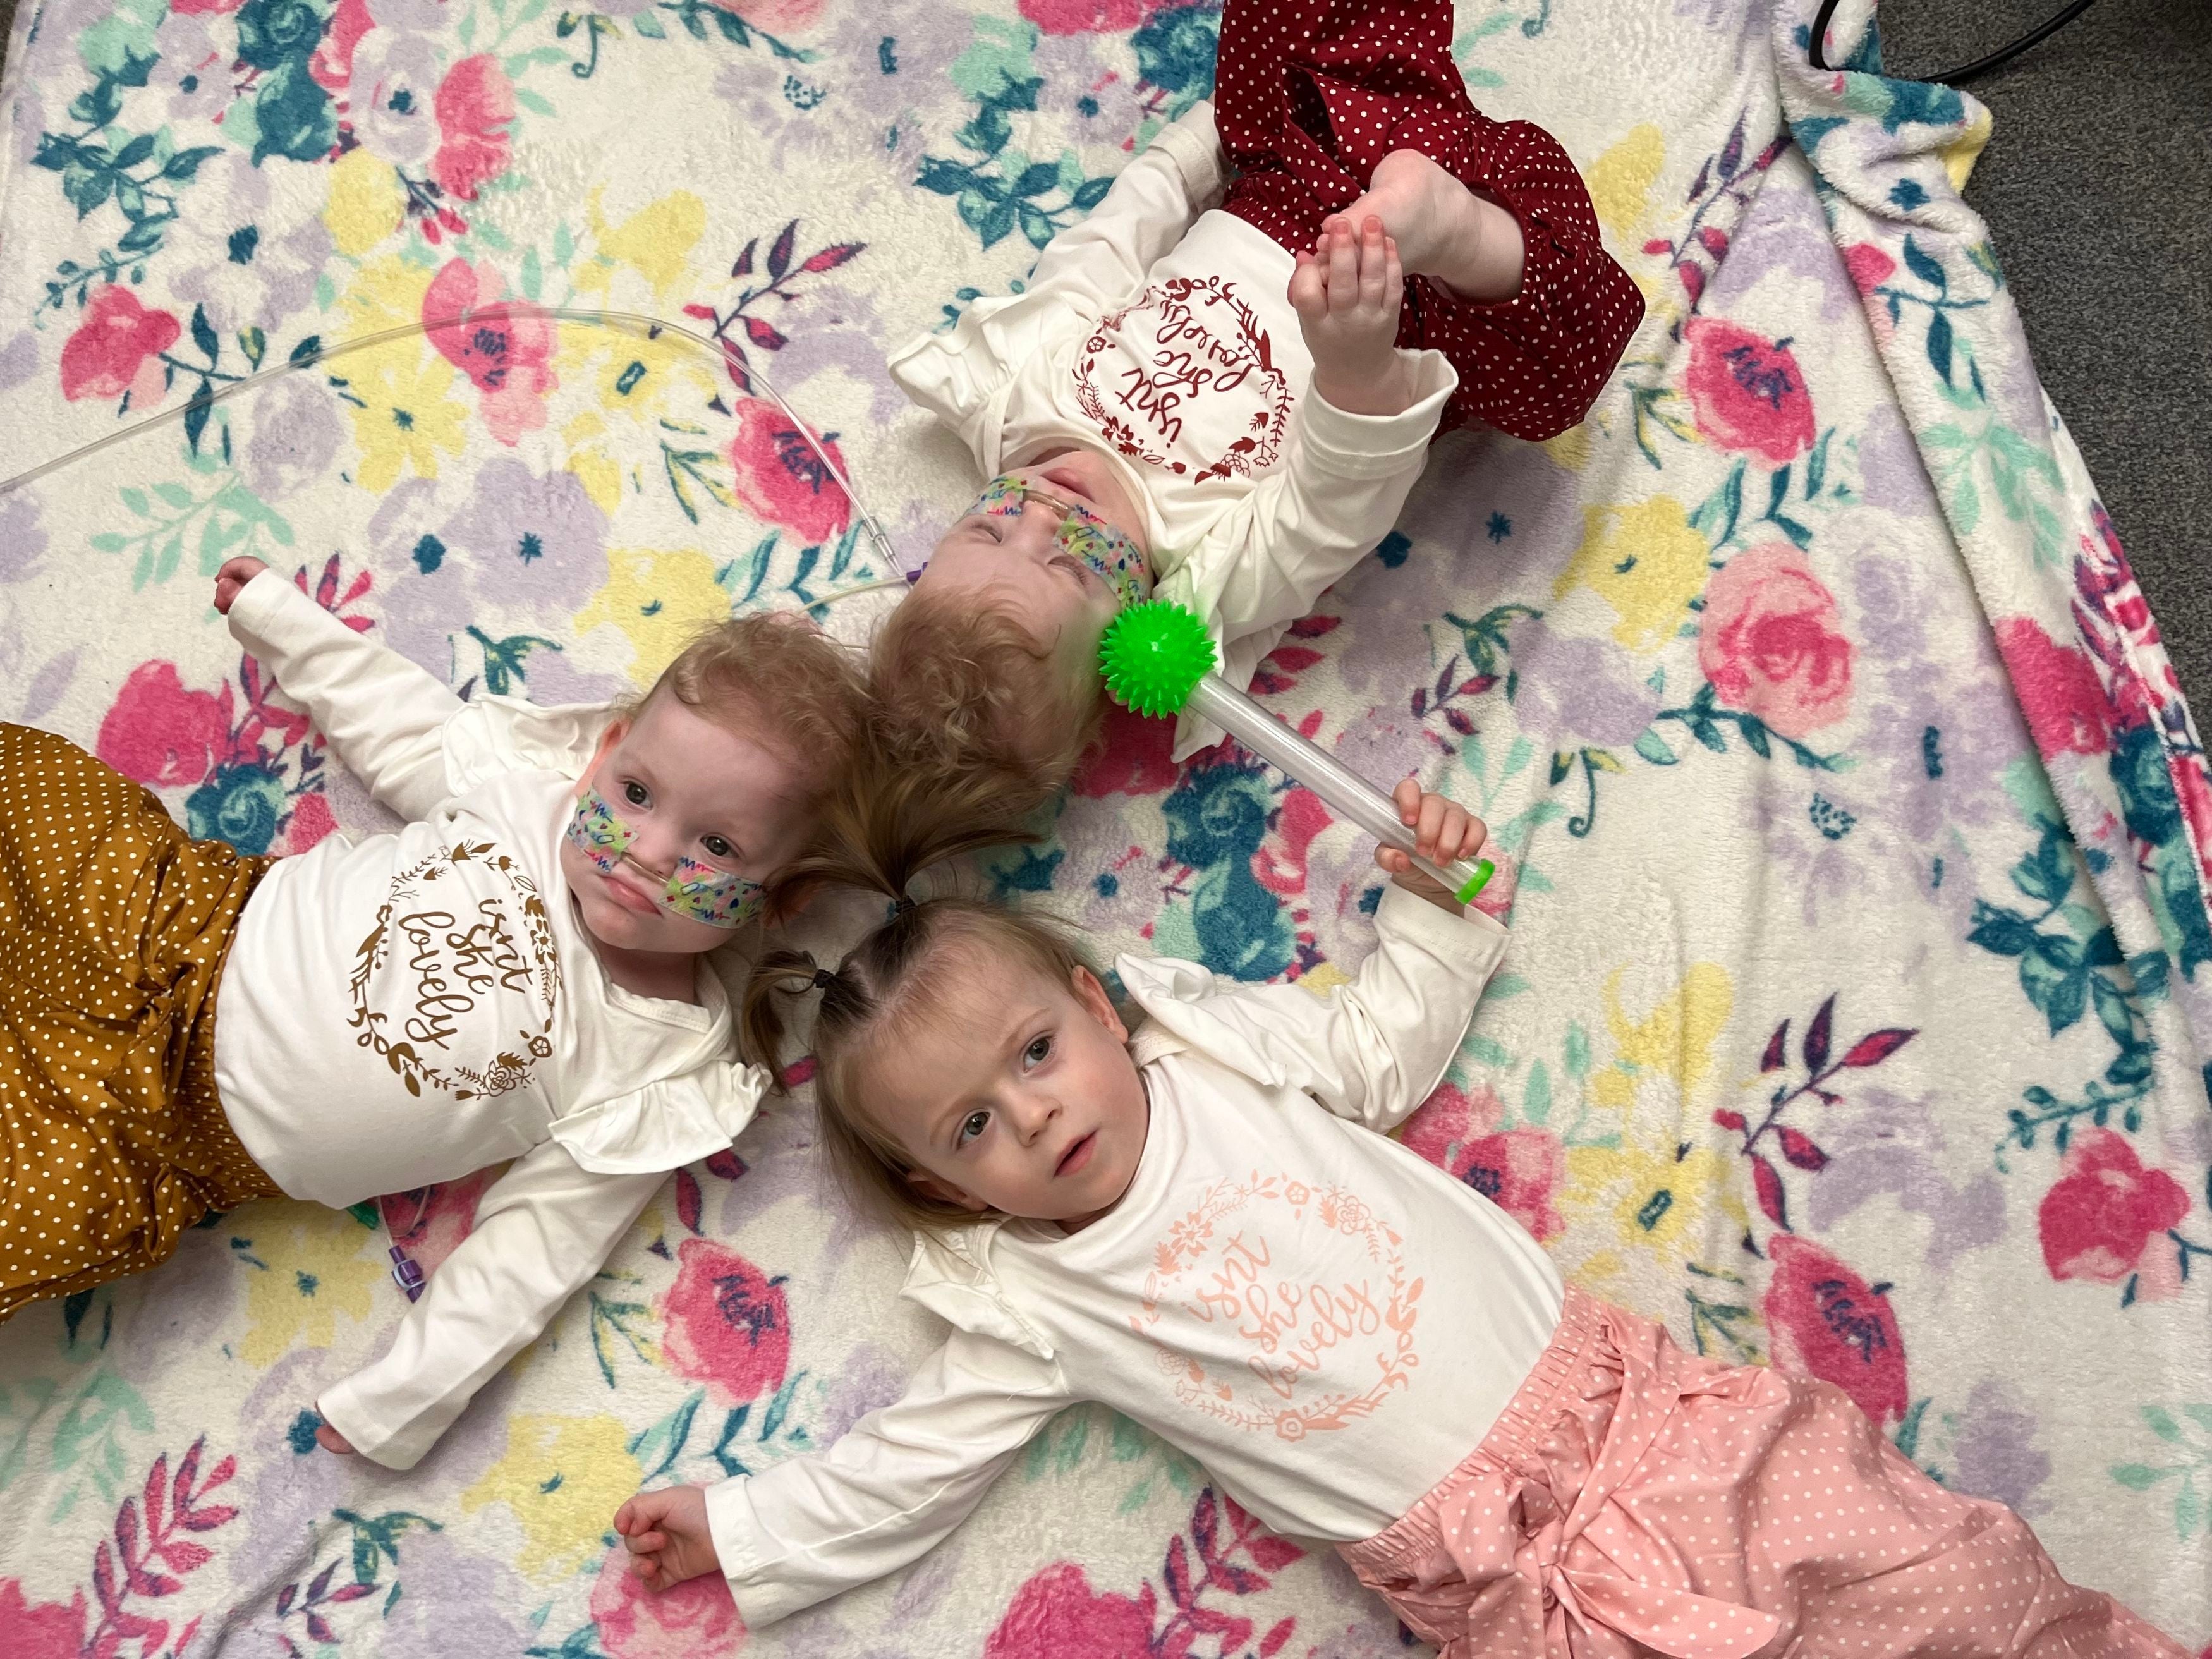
(630, 322)
(1157, 659)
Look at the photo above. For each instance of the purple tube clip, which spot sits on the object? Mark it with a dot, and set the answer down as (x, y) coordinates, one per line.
(406, 1274)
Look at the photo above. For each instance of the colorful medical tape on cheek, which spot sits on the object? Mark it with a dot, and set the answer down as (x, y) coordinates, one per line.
(1112, 555)
(697, 892)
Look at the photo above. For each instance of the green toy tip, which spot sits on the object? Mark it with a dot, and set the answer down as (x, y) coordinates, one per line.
(1480, 879)
(1153, 656)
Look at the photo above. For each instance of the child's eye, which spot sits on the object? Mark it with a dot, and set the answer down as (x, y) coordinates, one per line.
(716, 847)
(1038, 1052)
(636, 793)
(971, 1125)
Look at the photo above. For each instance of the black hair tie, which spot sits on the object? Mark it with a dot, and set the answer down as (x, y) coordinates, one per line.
(823, 978)
(901, 905)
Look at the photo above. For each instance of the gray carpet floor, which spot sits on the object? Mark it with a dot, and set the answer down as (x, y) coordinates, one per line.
(2098, 190)
(2097, 186)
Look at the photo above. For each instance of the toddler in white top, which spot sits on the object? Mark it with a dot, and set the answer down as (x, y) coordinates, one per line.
(1204, 1226)
(517, 973)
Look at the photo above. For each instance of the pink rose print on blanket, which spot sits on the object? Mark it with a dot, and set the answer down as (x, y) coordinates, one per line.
(775, 16)
(331, 66)
(39, 1630)
(1771, 642)
(118, 349)
(2058, 689)
(1827, 1322)
(504, 346)
(2104, 1209)
(780, 477)
(728, 1326)
(1869, 265)
(695, 1617)
(1517, 1169)
(474, 105)
(160, 734)
(1745, 391)
(1086, 16)
(1057, 1615)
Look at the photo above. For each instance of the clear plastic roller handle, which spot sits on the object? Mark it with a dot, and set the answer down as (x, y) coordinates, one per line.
(1346, 792)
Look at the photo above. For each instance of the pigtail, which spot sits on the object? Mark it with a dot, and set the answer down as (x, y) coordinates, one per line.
(778, 975)
(892, 821)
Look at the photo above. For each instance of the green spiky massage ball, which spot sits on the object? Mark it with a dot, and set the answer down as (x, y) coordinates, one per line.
(1153, 656)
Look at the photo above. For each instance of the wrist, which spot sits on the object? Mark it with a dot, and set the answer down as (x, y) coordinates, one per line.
(1372, 388)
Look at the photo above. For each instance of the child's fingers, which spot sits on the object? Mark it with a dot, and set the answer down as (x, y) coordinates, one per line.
(1309, 288)
(1394, 277)
(624, 1516)
(1372, 259)
(1406, 797)
(1471, 840)
(1432, 817)
(648, 1543)
(1451, 833)
(1343, 272)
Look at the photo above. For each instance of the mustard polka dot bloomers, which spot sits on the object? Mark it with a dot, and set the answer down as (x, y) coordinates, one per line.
(114, 926)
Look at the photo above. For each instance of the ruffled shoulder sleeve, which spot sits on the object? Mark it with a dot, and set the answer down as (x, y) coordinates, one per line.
(951, 1275)
(663, 1125)
(491, 735)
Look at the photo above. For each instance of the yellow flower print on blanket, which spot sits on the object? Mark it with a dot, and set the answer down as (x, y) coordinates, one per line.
(1645, 562)
(635, 385)
(1663, 1198)
(659, 600)
(309, 1265)
(655, 243)
(404, 418)
(366, 204)
(562, 1476)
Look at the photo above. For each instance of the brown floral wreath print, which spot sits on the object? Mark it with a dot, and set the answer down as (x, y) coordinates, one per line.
(454, 962)
(1217, 1266)
(1194, 360)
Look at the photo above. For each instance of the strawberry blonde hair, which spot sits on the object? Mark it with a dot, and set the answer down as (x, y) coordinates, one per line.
(774, 678)
(898, 980)
(962, 691)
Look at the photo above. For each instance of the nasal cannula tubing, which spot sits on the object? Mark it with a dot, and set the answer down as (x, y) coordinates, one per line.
(625, 320)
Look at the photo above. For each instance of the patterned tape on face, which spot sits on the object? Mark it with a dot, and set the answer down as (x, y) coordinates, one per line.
(697, 892)
(1111, 554)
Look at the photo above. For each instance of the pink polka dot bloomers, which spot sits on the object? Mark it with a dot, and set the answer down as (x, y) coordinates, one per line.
(1631, 1499)
(1310, 95)
(114, 926)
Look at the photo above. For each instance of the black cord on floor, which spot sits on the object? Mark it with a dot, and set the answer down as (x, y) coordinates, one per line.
(1980, 65)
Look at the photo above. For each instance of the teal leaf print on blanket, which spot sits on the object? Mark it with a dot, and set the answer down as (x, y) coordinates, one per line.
(2067, 971)
(2189, 1448)
(1003, 190)
(1217, 817)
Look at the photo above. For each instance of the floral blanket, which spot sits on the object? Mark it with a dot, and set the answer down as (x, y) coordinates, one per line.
(1852, 828)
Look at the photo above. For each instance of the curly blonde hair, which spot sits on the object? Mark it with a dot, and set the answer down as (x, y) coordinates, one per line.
(962, 691)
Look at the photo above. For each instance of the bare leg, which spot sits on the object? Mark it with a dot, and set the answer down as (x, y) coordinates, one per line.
(1444, 230)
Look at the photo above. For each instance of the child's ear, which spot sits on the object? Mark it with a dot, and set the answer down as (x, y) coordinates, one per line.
(943, 1191)
(616, 730)
(1093, 997)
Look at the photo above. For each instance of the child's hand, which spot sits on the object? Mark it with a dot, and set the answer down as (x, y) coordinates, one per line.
(1347, 294)
(1443, 831)
(234, 575)
(665, 1531)
(331, 1441)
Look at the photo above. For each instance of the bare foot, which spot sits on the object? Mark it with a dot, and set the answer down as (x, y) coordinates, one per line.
(1444, 230)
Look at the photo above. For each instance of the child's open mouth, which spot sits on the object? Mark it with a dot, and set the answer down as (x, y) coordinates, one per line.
(1077, 1156)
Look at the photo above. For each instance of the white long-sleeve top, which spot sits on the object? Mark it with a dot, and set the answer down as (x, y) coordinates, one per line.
(1162, 336)
(1324, 1320)
(409, 1008)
